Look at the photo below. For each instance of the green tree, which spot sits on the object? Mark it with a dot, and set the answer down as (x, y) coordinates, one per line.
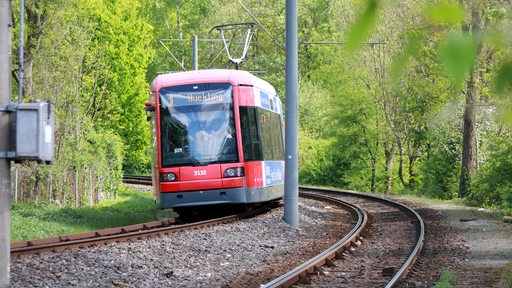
(113, 72)
(493, 187)
(88, 58)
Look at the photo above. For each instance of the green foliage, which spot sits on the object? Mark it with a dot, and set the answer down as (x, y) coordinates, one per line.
(137, 167)
(102, 151)
(318, 164)
(32, 221)
(506, 276)
(90, 60)
(372, 117)
(440, 167)
(445, 13)
(445, 279)
(363, 25)
(458, 55)
(504, 77)
(493, 183)
(439, 173)
(115, 67)
(410, 51)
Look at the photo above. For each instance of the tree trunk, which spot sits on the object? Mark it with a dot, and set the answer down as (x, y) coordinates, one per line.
(468, 138)
(412, 174)
(469, 132)
(374, 175)
(389, 153)
(401, 163)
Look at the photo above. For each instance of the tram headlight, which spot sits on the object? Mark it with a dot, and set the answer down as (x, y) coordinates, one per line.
(234, 172)
(168, 177)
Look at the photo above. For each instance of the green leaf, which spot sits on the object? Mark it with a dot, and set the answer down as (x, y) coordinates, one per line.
(411, 50)
(503, 78)
(362, 26)
(458, 55)
(445, 13)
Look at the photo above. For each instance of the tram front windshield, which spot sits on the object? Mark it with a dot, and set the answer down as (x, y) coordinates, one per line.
(197, 125)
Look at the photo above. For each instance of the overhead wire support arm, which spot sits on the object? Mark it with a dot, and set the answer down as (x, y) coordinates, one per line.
(337, 43)
(248, 38)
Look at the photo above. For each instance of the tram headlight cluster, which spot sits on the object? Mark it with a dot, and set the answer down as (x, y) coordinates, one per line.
(234, 172)
(168, 177)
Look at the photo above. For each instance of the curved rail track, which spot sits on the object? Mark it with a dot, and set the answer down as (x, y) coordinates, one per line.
(344, 246)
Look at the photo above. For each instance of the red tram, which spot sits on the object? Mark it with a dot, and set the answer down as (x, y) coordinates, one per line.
(217, 138)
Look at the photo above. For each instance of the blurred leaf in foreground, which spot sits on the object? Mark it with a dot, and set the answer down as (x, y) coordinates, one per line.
(411, 50)
(504, 77)
(445, 13)
(458, 55)
(503, 84)
(362, 26)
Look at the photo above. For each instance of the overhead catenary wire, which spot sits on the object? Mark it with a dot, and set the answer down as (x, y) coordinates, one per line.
(261, 26)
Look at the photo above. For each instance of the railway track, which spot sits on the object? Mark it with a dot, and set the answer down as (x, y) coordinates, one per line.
(134, 179)
(386, 215)
(343, 260)
(131, 232)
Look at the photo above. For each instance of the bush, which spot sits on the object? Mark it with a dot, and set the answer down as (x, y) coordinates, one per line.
(131, 167)
(318, 164)
(493, 185)
(86, 170)
(440, 174)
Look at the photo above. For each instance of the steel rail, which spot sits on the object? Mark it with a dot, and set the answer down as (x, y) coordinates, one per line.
(418, 222)
(335, 250)
(294, 275)
(142, 180)
(110, 235)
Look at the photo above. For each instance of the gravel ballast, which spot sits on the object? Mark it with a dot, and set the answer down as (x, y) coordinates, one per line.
(249, 253)
(242, 254)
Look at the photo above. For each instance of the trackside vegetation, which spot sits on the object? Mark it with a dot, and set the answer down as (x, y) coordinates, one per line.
(32, 220)
(506, 276)
(396, 97)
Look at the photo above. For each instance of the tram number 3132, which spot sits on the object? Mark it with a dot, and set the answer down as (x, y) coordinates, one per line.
(200, 173)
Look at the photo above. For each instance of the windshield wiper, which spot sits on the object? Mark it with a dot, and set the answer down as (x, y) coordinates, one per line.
(195, 162)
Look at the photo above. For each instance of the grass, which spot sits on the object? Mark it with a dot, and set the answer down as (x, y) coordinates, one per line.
(445, 279)
(34, 221)
(506, 276)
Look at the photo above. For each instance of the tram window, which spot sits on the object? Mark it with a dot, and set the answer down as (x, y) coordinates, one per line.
(271, 135)
(261, 134)
(250, 134)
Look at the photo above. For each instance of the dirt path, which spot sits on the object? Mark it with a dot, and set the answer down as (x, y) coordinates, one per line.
(471, 243)
(488, 241)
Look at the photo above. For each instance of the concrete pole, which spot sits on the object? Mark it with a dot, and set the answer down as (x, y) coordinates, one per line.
(291, 184)
(5, 132)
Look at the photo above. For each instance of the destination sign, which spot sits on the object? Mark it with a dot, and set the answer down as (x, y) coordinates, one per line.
(196, 94)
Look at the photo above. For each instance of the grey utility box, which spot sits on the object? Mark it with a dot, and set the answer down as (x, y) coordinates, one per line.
(35, 131)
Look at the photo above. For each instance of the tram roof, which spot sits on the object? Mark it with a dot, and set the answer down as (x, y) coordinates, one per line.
(236, 77)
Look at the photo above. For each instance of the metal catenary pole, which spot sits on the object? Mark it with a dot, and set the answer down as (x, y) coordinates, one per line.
(194, 46)
(291, 184)
(21, 71)
(5, 131)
